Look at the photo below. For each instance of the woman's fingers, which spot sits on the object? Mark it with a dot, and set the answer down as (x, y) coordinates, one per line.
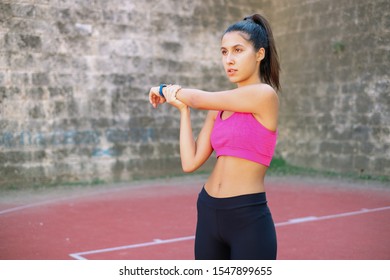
(154, 97)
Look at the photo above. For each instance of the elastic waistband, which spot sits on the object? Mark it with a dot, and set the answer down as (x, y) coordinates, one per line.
(233, 202)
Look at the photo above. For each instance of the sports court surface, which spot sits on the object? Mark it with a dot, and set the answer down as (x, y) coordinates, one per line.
(315, 219)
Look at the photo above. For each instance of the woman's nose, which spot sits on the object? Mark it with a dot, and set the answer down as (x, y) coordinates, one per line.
(229, 59)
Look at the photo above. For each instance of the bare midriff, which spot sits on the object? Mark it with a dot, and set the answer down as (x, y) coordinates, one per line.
(234, 176)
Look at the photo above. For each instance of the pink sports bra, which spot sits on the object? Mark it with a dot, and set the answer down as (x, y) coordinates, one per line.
(242, 136)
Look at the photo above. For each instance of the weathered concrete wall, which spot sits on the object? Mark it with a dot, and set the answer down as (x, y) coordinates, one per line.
(74, 78)
(335, 112)
(74, 81)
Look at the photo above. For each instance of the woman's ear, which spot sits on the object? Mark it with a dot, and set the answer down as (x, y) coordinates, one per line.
(260, 54)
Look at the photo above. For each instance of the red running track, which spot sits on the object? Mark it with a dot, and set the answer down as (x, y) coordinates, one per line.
(315, 219)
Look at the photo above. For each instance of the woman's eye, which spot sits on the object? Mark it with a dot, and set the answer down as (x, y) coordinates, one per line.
(238, 50)
(224, 52)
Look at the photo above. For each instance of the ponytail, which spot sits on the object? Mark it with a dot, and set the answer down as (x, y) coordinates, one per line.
(259, 30)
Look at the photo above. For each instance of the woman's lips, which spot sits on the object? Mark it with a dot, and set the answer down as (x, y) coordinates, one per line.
(231, 72)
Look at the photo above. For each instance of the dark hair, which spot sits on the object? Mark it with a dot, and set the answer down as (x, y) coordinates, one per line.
(260, 34)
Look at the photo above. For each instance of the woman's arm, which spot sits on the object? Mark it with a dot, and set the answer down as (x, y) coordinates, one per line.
(193, 152)
(246, 99)
(259, 99)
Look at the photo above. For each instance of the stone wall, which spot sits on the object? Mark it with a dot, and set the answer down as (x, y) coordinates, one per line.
(74, 78)
(74, 82)
(335, 112)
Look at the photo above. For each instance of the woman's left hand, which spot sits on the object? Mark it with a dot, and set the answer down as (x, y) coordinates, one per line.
(155, 98)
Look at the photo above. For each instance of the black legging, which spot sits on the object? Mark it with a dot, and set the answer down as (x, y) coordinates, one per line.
(238, 228)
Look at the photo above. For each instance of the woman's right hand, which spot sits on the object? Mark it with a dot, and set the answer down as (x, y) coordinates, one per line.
(170, 95)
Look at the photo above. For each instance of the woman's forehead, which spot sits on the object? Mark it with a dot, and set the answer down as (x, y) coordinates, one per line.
(234, 38)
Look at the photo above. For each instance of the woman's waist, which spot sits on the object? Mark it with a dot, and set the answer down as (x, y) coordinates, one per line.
(233, 202)
(234, 188)
(233, 177)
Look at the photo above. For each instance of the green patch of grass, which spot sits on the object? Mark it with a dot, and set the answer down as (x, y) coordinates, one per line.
(280, 167)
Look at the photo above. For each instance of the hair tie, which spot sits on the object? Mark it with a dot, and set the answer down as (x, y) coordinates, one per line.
(256, 20)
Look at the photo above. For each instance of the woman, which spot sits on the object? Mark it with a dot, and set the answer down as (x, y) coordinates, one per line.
(234, 221)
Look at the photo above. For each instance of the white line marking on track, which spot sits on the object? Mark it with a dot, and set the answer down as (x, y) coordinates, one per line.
(18, 208)
(302, 220)
(78, 256)
(155, 242)
(327, 217)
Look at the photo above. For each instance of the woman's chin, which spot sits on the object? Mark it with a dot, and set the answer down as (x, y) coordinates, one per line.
(233, 79)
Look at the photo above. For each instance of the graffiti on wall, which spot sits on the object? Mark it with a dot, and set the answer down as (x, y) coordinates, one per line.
(94, 138)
